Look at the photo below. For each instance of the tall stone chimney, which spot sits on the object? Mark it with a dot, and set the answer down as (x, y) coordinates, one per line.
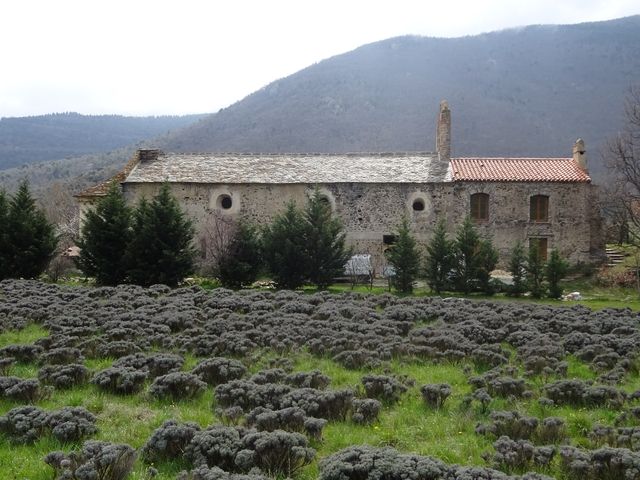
(579, 154)
(443, 132)
(145, 155)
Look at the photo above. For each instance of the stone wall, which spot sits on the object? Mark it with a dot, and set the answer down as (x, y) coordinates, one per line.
(372, 211)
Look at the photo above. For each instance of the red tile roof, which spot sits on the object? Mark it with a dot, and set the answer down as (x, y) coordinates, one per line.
(517, 170)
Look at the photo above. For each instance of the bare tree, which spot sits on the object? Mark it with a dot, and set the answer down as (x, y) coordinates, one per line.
(611, 200)
(61, 210)
(624, 159)
(214, 239)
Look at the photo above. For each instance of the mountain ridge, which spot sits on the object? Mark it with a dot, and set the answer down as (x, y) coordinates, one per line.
(529, 91)
(53, 136)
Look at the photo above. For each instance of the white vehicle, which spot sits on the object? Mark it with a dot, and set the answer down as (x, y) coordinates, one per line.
(359, 267)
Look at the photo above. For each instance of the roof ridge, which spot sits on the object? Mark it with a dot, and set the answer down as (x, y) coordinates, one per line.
(305, 154)
(511, 158)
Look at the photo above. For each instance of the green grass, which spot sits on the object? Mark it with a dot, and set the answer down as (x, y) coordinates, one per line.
(29, 334)
(593, 296)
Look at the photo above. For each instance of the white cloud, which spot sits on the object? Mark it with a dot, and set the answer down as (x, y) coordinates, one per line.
(156, 57)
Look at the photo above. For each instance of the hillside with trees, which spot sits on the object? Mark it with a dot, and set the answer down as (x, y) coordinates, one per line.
(28, 140)
(521, 92)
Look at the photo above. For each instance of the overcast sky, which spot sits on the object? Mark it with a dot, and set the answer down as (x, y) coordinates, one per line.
(152, 57)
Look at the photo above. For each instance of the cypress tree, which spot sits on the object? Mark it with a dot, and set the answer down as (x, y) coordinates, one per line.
(405, 258)
(517, 268)
(105, 235)
(284, 248)
(555, 270)
(324, 242)
(439, 258)
(161, 249)
(30, 239)
(535, 273)
(467, 245)
(487, 261)
(242, 261)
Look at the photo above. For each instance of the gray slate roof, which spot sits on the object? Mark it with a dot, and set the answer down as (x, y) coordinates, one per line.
(291, 168)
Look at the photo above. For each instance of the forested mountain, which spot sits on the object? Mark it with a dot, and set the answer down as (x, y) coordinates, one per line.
(524, 92)
(27, 140)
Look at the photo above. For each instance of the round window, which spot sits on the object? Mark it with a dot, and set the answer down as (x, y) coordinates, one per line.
(225, 202)
(418, 205)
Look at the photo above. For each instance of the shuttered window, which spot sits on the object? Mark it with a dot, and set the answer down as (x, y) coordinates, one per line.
(480, 207)
(539, 208)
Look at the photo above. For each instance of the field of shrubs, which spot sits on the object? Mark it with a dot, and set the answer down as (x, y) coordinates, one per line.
(126, 382)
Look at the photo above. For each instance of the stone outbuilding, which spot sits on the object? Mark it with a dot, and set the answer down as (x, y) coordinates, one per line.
(544, 202)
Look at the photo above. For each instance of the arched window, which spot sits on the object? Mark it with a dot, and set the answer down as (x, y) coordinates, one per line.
(539, 208)
(480, 207)
(224, 202)
(418, 205)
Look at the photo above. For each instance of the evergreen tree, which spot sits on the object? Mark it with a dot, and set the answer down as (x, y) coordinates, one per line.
(467, 260)
(535, 273)
(487, 261)
(324, 242)
(517, 268)
(439, 258)
(242, 260)
(405, 258)
(555, 270)
(106, 233)
(284, 248)
(161, 249)
(4, 231)
(30, 239)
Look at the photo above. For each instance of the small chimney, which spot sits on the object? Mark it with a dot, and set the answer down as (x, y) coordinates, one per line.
(579, 154)
(145, 155)
(443, 132)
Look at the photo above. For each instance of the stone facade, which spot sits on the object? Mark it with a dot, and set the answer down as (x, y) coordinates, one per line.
(570, 224)
(371, 192)
(372, 211)
(369, 212)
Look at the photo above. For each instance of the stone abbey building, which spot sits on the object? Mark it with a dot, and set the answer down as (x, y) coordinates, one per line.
(543, 202)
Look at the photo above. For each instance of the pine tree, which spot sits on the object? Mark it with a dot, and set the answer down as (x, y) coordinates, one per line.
(405, 258)
(161, 249)
(242, 260)
(4, 231)
(467, 245)
(555, 270)
(30, 239)
(517, 268)
(487, 261)
(324, 242)
(439, 258)
(106, 233)
(535, 273)
(284, 248)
